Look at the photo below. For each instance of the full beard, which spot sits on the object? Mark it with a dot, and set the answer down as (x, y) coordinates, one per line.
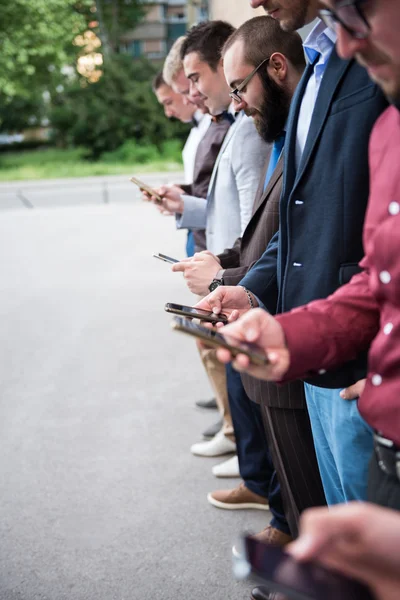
(272, 116)
(297, 19)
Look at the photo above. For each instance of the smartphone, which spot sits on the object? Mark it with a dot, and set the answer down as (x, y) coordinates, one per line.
(279, 572)
(166, 258)
(195, 313)
(214, 339)
(146, 188)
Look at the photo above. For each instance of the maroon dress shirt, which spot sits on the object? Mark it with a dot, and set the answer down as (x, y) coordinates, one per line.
(365, 313)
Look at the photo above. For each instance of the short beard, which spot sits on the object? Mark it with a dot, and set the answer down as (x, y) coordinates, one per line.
(297, 20)
(274, 109)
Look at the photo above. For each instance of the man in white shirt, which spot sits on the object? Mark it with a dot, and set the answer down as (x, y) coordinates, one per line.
(176, 107)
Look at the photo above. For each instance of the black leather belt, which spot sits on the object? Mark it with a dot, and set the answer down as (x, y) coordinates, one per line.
(388, 455)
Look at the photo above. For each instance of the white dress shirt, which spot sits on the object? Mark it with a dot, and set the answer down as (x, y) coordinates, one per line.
(190, 148)
(321, 39)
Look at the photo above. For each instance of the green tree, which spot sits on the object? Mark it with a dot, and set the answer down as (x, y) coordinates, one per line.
(120, 106)
(114, 17)
(36, 38)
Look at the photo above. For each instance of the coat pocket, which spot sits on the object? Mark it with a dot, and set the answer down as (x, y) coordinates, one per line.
(354, 99)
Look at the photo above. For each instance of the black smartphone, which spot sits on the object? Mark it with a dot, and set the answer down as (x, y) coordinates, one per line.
(166, 258)
(214, 339)
(195, 313)
(279, 572)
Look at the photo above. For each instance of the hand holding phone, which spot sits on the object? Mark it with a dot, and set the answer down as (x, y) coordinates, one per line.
(280, 572)
(146, 188)
(166, 258)
(195, 313)
(214, 339)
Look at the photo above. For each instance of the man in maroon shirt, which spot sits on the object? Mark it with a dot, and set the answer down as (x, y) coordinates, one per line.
(366, 312)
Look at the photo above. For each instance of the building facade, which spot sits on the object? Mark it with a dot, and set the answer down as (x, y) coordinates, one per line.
(165, 21)
(238, 11)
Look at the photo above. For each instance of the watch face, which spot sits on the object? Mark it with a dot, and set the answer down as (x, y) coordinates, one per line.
(214, 284)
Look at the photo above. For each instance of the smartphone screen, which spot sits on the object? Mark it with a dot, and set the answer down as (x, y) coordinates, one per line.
(298, 581)
(166, 258)
(214, 339)
(195, 313)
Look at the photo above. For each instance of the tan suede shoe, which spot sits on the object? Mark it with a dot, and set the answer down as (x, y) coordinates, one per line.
(270, 535)
(238, 498)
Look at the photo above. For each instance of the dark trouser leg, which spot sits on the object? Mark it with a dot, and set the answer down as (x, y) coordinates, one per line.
(292, 449)
(382, 489)
(255, 464)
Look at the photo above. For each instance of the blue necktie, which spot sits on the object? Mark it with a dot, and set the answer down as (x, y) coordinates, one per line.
(275, 154)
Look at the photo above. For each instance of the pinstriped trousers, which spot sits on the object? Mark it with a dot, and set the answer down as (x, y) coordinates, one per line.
(292, 450)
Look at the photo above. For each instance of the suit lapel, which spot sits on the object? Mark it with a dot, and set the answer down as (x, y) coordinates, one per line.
(260, 189)
(225, 143)
(290, 143)
(276, 175)
(335, 71)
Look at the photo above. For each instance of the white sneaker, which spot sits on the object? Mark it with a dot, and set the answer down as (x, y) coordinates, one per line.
(218, 446)
(229, 468)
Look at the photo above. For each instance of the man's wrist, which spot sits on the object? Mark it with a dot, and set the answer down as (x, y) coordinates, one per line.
(217, 281)
(250, 297)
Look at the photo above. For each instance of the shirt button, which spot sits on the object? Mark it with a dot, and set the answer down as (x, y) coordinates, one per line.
(394, 208)
(322, 372)
(376, 379)
(388, 328)
(385, 276)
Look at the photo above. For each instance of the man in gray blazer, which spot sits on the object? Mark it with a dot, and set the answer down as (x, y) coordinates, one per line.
(239, 164)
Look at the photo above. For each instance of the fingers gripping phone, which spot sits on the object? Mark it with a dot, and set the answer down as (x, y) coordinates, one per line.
(166, 258)
(195, 313)
(214, 339)
(279, 572)
(146, 188)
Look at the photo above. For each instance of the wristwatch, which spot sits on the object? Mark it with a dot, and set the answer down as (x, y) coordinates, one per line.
(217, 281)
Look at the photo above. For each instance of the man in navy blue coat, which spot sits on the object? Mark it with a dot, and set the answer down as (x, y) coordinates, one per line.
(319, 242)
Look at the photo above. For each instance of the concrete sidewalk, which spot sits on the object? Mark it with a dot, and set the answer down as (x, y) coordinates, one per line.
(78, 191)
(100, 498)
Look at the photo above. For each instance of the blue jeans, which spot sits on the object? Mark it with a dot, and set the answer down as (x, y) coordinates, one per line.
(343, 444)
(190, 244)
(255, 464)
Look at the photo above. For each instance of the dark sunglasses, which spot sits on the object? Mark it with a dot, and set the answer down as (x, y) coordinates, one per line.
(349, 15)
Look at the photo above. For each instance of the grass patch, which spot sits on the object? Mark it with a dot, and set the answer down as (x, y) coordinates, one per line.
(54, 163)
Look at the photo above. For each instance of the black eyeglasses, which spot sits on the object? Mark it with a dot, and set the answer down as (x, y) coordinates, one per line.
(235, 94)
(349, 15)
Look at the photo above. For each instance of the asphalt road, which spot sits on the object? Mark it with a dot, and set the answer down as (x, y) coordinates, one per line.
(100, 498)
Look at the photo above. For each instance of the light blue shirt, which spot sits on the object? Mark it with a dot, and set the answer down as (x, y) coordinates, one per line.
(321, 39)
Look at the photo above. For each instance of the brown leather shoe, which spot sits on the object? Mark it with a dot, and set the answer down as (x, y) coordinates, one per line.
(271, 535)
(238, 498)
